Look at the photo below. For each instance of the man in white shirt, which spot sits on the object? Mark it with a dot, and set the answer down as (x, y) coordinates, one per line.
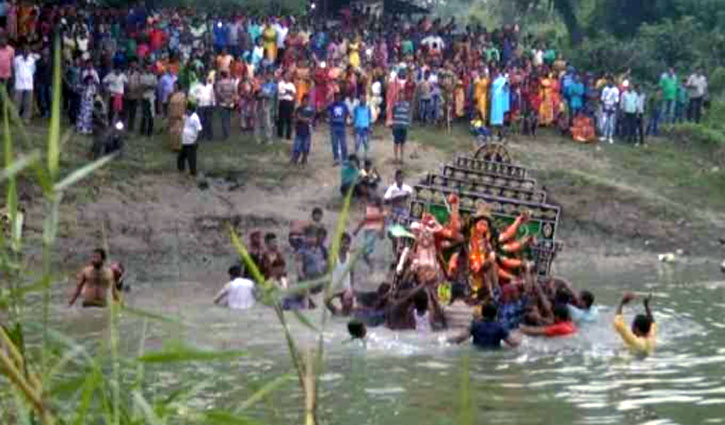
(24, 70)
(610, 100)
(206, 99)
(286, 94)
(282, 31)
(189, 136)
(115, 83)
(397, 196)
(697, 87)
(238, 294)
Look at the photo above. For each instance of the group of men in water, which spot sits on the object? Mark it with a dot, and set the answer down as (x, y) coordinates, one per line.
(537, 308)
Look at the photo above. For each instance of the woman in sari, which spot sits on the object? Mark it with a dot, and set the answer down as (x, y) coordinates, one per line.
(354, 52)
(480, 95)
(391, 97)
(247, 103)
(84, 123)
(177, 108)
(270, 42)
(322, 87)
(546, 109)
(302, 81)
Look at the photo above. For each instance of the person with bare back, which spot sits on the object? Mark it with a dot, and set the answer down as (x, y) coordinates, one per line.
(94, 282)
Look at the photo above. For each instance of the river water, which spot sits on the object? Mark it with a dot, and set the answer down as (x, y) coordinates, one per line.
(405, 378)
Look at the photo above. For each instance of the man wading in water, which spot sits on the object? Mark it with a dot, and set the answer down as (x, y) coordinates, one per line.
(94, 281)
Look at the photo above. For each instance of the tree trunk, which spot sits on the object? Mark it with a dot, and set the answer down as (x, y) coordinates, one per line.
(566, 8)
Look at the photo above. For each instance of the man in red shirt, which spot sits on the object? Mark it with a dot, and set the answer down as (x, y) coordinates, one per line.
(562, 326)
(7, 54)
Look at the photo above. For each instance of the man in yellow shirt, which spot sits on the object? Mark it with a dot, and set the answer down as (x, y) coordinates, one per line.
(642, 337)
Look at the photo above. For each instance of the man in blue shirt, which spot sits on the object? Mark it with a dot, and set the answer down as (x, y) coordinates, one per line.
(582, 309)
(338, 113)
(487, 332)
(361, 120)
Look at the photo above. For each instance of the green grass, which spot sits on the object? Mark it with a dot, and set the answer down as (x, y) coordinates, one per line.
(240, 157)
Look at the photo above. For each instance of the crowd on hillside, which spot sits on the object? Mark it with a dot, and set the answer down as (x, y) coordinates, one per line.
(279, 76)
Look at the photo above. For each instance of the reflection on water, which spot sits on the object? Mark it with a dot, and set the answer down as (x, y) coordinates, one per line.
(407, 378)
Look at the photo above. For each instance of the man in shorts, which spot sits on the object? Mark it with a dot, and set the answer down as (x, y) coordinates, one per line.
(401, 122)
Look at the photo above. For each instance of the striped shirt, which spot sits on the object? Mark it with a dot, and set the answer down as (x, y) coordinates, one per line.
(401, 114)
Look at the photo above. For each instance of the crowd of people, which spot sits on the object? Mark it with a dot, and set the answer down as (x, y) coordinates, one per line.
(279, 76)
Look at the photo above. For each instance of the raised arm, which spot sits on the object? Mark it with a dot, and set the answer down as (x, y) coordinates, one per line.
(532, 330)
(79, 287)
(626, 298)
(647, 308)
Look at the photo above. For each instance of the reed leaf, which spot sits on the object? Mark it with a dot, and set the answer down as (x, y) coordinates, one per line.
(219, 417)
(148, 412)
(54, 130)
(266, 389)
(82, 172)
(17, 166)
(151, 315)
(178, 352)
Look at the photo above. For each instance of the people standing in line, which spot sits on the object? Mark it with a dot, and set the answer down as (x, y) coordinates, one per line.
(401, 123)
(338, 114)
(148, 84)
(225, 95)
(7, 56)
(133, 95)
(165, 88)
(286, 94)
(639, 124)
(362, 118)
(697, 86)
(303, 131)
(668, 84)
(265, 103)
(189, 137)
(177, 110)
(654, 107)
(24, 71)
(205, 101)
(629, 101)
(114, 83)
(610, 100)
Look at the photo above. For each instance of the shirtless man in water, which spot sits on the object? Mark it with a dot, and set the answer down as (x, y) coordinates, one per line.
(94, 281)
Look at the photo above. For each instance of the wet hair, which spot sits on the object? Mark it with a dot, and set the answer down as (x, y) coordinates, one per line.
(562, 296)
(356, 329)
(642, 324)
(458, 291)
(101, 252)
(368, 162)
(420, 301)
(269, 237)
(235, 270)
(489, 311)
(561, 313)
(588, 298)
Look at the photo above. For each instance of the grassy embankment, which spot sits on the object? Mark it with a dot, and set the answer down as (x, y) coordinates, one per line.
(665, 196)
